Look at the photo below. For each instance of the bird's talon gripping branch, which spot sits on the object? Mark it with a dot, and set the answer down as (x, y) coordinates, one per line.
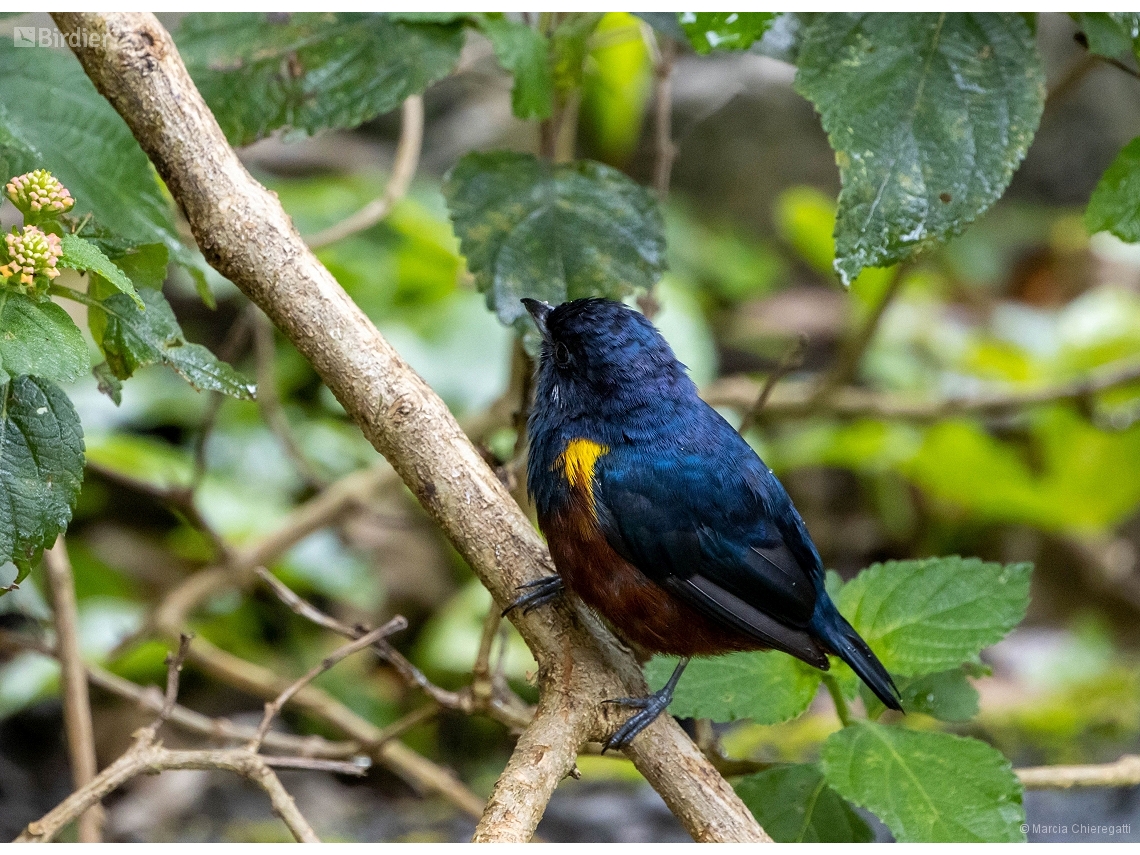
(539, 593)
(650, 707)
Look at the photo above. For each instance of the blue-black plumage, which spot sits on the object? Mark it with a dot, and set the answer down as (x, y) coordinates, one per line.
(660, 516)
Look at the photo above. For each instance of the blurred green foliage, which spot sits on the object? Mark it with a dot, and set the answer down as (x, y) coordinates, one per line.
(964, 320)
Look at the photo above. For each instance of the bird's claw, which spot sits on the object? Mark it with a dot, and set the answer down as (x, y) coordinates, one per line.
(649, 707)
(539, 593)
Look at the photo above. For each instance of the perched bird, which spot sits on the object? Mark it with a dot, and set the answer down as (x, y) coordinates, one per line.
(660, 517)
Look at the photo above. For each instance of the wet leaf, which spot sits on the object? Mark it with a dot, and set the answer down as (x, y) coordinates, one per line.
(928, 114)
(1113, 206)
(552, 232)
(794, 804)
(926, 787)
(709, 31)
(41, 468)
(310, 71)
(131, 338)
(39, 339)
(765, 686)
(933, 614)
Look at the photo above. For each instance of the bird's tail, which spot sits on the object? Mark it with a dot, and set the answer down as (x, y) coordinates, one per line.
(842, 639)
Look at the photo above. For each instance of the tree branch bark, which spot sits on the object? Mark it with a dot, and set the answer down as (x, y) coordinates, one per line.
(247, 237)
(73, 684)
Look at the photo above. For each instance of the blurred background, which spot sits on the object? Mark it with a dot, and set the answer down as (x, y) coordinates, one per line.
(1025, 300)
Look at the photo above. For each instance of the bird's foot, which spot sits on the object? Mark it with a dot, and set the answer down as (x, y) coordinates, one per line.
(539, 593)
(650, 708)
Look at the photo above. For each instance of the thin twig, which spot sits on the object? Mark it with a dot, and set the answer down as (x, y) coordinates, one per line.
(792, 401)
(149, 757)
(151, 699)
(1124, 772)
(846, 365)
(272, 708)
(270, 402)
(403, 170)
(510, 711)
(73, 684)
(357, 768)
(666, 149)
(482, 686)
(792, 359)
(174, 662)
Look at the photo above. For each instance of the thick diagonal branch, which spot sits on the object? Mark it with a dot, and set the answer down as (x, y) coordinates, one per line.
(246, 236)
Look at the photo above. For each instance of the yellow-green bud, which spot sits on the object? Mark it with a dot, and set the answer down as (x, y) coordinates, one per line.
(39, 194)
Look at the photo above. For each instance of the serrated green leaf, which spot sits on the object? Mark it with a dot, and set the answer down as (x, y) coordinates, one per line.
(945, 695)
(926, 787)
(552, 232)
(709, 31)
(52, 117)
(928, 114)
(933, 614)
(1113, 207)
(766, 686)
(41, 468)
(525, 53)
(794, 804)
(39, 339)
(310, 71)
(80, 254)
(131, 338)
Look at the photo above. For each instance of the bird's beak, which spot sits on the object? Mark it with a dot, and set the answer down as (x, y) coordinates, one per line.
(538, 310)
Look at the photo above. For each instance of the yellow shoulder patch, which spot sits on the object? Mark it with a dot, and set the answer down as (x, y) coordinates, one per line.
(578, 461)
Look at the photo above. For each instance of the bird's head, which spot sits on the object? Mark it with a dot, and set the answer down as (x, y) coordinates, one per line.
(599, 356)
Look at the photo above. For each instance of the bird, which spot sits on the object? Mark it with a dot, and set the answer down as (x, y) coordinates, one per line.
(660, 517)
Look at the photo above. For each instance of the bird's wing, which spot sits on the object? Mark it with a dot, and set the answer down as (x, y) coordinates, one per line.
(718, 530)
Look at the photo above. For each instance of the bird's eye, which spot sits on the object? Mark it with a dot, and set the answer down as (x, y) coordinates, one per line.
(561, 355)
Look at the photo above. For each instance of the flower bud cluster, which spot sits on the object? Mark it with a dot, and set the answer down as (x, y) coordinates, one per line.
(31, 253)
(39, 194)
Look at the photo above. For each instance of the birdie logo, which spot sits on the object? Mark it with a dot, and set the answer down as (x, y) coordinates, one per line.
(50, 37)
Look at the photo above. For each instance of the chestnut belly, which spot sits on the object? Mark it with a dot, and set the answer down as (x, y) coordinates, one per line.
(640, 610)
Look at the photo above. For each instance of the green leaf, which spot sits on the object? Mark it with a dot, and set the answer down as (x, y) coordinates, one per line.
(933, 614)
(765, 686)
(709, 31)
(146, 265)
(928, 114)
(1110, 33)
(945, 695)
(108, 383)
(1113, 206)
(79, 254)
(310, 71)
(39, 339)
(569, 45)
(41, 468)
(926, 787)
(794, 804)
(52, 117)
(552, 232)
(525, 53)
(131, 338)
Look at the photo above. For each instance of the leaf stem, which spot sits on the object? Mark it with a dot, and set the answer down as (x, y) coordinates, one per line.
(841, 708)
(77, 296)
